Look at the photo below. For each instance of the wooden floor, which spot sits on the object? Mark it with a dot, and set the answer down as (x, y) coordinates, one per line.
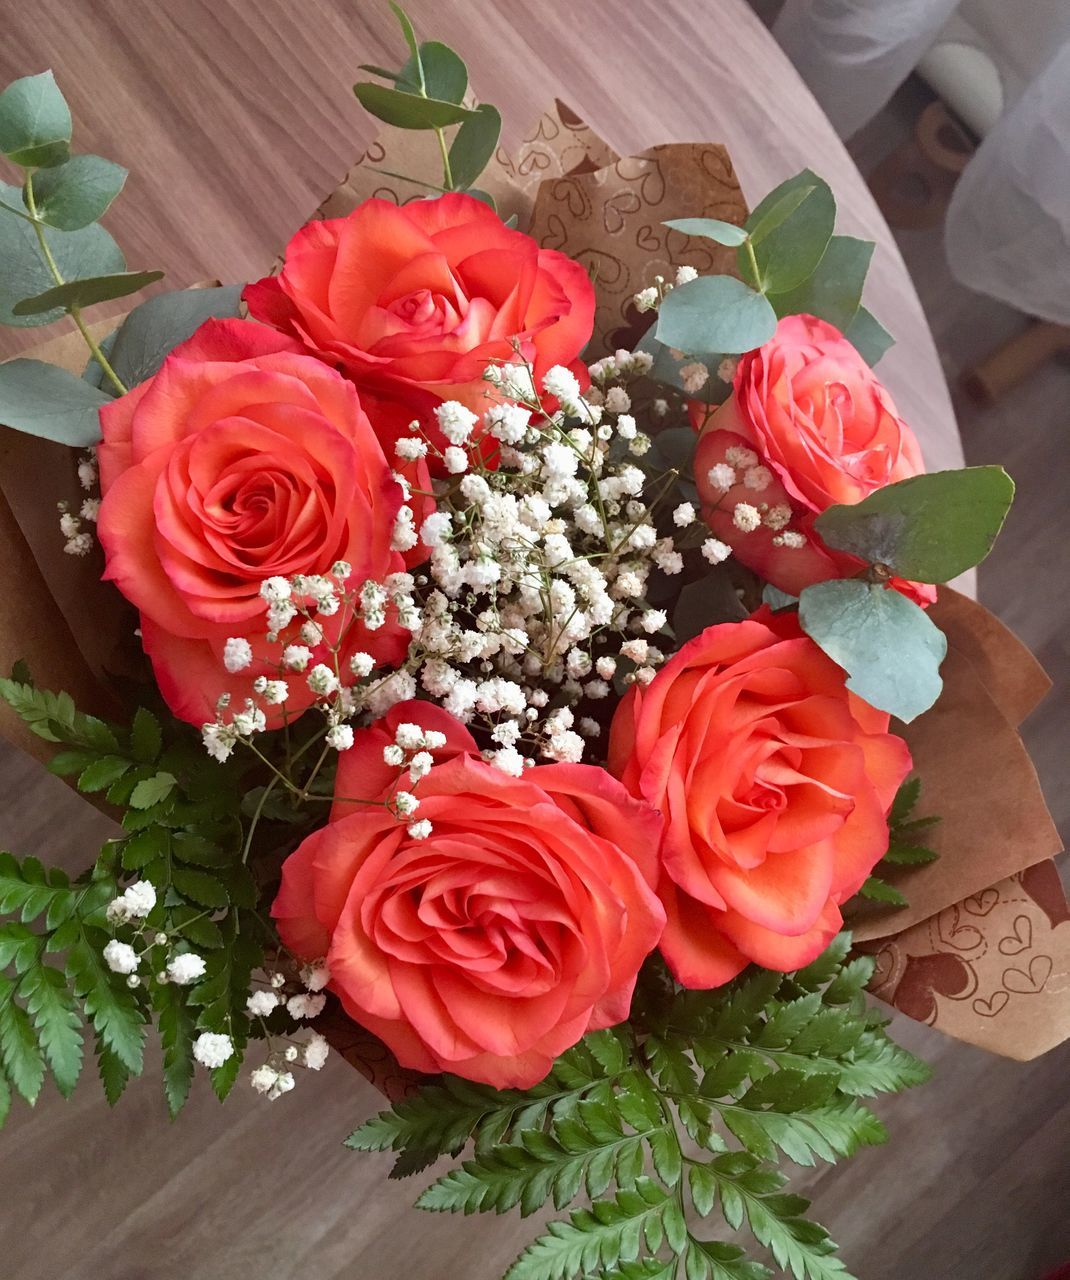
(974, 1185)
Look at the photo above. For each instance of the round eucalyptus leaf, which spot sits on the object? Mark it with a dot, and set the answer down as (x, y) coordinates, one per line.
(887, 644)
(74, 194)
(408, 110)
(88, 252)
(44, 400)
(792, 244)
(86, 291)
(834, 291)
(929, 528)
(35, 122)
(726, 233)
(715, 314)
(474, 144)
(154, 328)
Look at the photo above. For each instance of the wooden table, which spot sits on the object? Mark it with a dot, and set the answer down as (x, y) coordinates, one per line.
(235, 119)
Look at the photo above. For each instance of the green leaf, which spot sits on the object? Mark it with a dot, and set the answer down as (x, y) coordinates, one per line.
(145, 847)
(928, 528)
(445, 75)
(199, 887)
(715, 314)
(407, 110)
(610, 1232)
(474, 144)
(888, 646)
(59, 1030)
(78, 254)
(102, 773)
(878, 890)
(73, 195)
(705, 603)
(792, 245)
(152, 790)
(29, 890)
(176, 1027)
(868, 336)
(35, 122)
(5, 1099)
(109, 1003)
(409, 33)
(726, 233)
(146, 737)
(778, 212)
(19, 1055)
(114, 1077)
(20, 947)
(44, 400)
(155, 327)
(87, 291)
(834, 291)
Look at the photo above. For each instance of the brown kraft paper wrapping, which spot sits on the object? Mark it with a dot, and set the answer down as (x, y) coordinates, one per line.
(978, 952)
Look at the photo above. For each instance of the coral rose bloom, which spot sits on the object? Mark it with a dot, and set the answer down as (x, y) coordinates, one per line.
(821, 423)
(241, 459)
(414, 302)
(774, 782)
(495, 943)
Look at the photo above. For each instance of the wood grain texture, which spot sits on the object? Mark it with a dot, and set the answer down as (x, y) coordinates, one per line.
(236, 119)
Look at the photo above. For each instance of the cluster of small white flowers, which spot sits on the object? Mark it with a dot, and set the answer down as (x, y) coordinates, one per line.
(133, 907)
(741, 463)
(538, 565)
(275, 1076)
(77, 540)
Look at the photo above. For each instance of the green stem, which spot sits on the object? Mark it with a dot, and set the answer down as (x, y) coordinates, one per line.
(98, 355)
(446, 170)
(74, 312)
(753, 261)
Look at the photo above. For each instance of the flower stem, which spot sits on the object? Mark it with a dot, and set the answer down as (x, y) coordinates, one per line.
(74, 311)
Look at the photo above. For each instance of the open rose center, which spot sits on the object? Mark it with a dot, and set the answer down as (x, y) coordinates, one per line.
(504, 928)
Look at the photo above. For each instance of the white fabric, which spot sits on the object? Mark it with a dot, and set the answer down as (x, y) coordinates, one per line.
(854, 54)
(1008, 226)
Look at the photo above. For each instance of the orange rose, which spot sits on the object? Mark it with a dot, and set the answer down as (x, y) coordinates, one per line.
(774, 782)
(242, 459)
(824, 430)
(414, 302)
(493, 944)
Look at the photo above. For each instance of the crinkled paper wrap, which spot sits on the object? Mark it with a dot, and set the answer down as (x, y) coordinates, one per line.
(983, 949)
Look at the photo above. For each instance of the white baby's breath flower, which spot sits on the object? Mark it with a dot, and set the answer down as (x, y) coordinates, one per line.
(684, 515)
(305, 1006)
(296, 657)
(745, 517)
(685, 274)
(120, 957)
(212, 1050)
(716, 551)
(420, 830)
(315, 1051)
(340, 737)
(456, 460)
(646, 299)
(185, 968)
(237, 654)
(261, 1003)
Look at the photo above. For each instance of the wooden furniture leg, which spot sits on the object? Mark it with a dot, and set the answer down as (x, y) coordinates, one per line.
(1012, 363)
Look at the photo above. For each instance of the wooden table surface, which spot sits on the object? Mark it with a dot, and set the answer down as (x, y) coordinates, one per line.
(235, 119)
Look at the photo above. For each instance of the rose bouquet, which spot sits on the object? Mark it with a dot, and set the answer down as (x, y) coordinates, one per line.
(513, 667)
